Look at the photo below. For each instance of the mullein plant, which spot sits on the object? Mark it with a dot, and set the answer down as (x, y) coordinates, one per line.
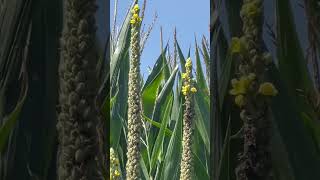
(252, 94)
(187, 89)
(79, 156)
(114, 166)
(134, 108)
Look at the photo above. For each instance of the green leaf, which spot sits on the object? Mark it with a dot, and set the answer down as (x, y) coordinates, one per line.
(160, 138)
(144, 169)
(10, 121)
(292, 64)
(159, 107)
(181, 57)
(152, 84)
(201, 80)
(168, 132)
(119, 107)
(200, 170)
(173, 153)
(122, 48)
(233, 15)
(204, 52)
(161, 98)
(313, 127)
(302, 153)
(281, 167)
(225, 77)
(223, 169)
(112, 100)
(202, 117)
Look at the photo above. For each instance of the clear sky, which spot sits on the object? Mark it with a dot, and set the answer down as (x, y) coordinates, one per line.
(188, 16)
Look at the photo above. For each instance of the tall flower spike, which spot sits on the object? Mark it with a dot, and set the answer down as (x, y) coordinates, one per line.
(80, 155)
(114, 166)
(187, 90)
(251, 93)
(134, 110)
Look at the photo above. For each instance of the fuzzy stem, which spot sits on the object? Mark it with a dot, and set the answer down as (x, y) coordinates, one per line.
(134, 109)
(186, 161)
(78, 116)
(187, 90)
(255, 161)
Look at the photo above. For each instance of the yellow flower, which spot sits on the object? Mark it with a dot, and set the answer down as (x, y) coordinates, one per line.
(135, 19)
(240, 86)
(136, 8)
(238, 45)
(116, 173)
(135, 16)
(188, 63)
(239, 100)
(268, 89)
(251, 9)
(132, 21)
(116, 162)
(185, 89)
(184, 75)
(193, 89)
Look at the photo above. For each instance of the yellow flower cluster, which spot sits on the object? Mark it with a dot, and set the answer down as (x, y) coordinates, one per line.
(113, 159)
(251, 9)
(135, 20)
(187, 79)
(240, 87)
(238, 45)
(114, 166)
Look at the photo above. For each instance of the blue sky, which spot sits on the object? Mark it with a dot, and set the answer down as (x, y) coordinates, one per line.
(189, 17)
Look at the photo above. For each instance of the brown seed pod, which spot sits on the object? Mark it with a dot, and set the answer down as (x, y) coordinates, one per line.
(81, 87)
(59, 125)
(82, 105)
(65, 107)
(76, 173)
(74, 133)
(75, 68)
(87, 113)
(83, 46)
(81, 155)
(73, 98)
(84, 37)
(63, 116)
(68, 165)
(73, 31)
(80, 77)
(83, 27)
(72, 41)
(73, 111)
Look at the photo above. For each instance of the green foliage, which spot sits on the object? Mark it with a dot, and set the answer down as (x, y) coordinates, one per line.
(162, 106)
